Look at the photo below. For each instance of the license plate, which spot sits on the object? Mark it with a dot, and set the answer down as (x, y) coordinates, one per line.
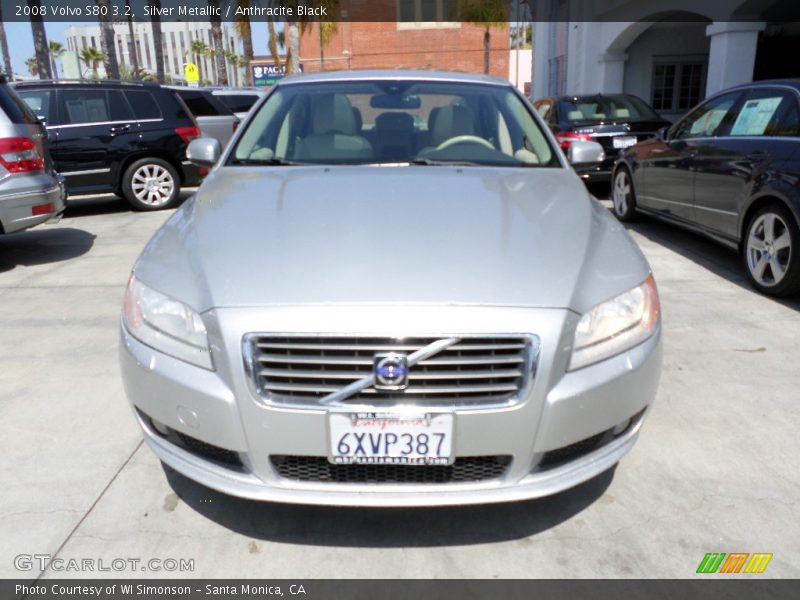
(624, 141)
(391, 439)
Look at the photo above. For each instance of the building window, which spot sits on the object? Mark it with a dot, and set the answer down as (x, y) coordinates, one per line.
(426, 14)
(678, 86)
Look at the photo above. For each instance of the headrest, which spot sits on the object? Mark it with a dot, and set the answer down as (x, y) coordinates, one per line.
(622, 113)
(395, 121)
(452, 121)
(333, 113)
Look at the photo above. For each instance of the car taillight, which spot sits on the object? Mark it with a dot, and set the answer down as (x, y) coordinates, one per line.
(565, 138)
(19, 155)
(188, 133)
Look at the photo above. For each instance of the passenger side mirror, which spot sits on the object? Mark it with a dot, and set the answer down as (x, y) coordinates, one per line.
(204, 152)
(583, 153)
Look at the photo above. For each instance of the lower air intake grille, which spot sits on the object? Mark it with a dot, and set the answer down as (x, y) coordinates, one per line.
(221, 455)
(318, 469)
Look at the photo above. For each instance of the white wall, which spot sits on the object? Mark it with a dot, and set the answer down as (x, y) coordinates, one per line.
(662, 40)
(520, 74)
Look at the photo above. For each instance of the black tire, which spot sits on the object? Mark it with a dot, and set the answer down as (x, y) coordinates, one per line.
(151, 184)
(771, 251)
(623, 196)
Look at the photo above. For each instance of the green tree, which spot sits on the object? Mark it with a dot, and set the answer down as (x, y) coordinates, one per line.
(39, 40)
(92, 57)
(221, 71)
(155, 24)
(243, 29)
(327, 29)
(56, 51)
(4, 45)
(199, 48)
(484, 13)
(107, 37)
(33, 66)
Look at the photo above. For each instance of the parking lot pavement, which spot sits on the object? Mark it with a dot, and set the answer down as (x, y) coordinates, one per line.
(715, 469)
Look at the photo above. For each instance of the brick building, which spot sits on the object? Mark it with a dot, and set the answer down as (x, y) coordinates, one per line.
(450, 46)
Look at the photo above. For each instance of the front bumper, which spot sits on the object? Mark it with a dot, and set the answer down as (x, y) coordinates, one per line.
(556, 411)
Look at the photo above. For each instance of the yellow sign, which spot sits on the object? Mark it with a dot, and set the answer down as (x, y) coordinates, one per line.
(191, 72)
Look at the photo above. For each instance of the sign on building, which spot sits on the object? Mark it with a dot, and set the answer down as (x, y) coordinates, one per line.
(264, 75)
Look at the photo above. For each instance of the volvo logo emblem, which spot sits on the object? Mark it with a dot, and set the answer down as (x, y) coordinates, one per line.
(391, 371)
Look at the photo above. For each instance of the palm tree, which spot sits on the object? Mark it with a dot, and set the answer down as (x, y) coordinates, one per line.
(92, 57)
(4, 44)
(107, 45)
(56, 51)
(131, 39)
(327, 29)
(39, 40)
(273, 41)
(199, 48)
(293, 55)
(242, 25)
(158, 46)
(219, 46)
(486, 14)
(33, 66)
(235, 61)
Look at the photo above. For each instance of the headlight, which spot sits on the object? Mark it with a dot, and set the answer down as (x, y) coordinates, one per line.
(616, 325)
(165, 324)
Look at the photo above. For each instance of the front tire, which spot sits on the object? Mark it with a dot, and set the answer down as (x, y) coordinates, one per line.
(622, 195)
(771, 251)
(151, 184)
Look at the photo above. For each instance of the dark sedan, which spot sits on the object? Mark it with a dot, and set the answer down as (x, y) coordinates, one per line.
(731, 170)
(615, 121)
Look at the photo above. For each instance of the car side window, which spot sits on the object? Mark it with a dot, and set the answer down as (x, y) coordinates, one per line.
(144, 104)
(85, 106)
(709, 118)
(39, 101)
(767, 112)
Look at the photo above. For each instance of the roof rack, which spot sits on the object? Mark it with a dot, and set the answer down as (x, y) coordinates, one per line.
(83, 81)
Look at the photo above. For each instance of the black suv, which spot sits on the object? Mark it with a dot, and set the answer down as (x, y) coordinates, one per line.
(126, 138)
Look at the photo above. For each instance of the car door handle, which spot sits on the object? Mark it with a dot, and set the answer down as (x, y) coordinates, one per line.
(119, 129)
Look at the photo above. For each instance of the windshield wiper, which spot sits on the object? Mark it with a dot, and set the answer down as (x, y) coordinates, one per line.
(437, 162)
(280, 162)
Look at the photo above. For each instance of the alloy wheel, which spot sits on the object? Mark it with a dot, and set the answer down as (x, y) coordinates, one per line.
(769, 249)
(152, 184)
(621, 193)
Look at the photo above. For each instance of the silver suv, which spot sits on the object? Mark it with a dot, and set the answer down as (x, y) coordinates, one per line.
(31, 192)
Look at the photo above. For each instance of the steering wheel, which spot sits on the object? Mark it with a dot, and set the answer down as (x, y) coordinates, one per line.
(464, 139)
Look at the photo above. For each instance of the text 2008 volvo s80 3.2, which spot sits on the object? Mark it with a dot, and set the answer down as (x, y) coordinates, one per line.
(391, 290)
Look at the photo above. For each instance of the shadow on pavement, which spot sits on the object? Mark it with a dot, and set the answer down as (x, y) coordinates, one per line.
(42, 246)
(704, 252)
(106, 204)
(387, 527)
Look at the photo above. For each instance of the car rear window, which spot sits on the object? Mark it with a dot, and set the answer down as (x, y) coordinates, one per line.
(143, 104)
(14, 108)
(204, 104)
(238, 102)
(606, 108)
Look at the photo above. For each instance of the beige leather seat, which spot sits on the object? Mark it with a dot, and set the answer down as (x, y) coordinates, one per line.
(333, 132)
(451, 121)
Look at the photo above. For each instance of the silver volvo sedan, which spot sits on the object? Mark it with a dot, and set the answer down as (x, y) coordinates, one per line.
(391, 290)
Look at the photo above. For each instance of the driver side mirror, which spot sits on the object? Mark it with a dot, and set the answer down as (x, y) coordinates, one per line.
(663, 134)
(583, 153)
(203, 152)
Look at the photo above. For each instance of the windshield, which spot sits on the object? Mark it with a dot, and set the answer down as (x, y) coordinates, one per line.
(606, 108)
(369, 122)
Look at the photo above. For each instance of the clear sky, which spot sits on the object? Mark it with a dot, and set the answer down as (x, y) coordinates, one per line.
(20, 40)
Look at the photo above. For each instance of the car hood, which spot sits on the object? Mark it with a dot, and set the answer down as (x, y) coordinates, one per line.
(256, 236)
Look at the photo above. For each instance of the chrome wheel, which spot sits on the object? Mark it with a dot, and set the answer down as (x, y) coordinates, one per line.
(769, 249)
(621, 193)
(152, 184)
